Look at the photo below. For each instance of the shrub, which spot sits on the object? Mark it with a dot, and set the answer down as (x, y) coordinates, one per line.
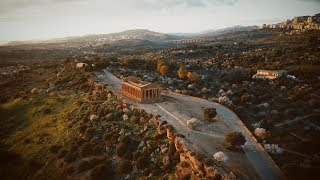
(83, 166)
(94, 141)
(73, 147)
(125, 166)
(62, 153)
(101, 171)
(217, 177)
(125, 139)
(186, 176)
(184, 164)
(209, 113)
(27, 141)
(136, 155)
(143, 162)
(157, 137)
(192, 76)
(85, 150)
(54, 148)
(163, 70)
(97, 150)
(70, 157)
(128, 155)
(83, 128)
(261, 133)
(134, 119)
(290, 113)
(109, 116)
(182, 73)
(79, 142)
(69, 170)
(233, 140)
(121, 149)
(220, 156)
(89, 133)
(96, 160)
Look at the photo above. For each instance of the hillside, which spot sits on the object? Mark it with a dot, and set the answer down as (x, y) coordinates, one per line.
(98, 39)
(69, 126)
(227, 30)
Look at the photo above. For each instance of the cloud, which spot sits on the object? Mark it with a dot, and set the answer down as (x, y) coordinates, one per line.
(9, 6)
(171, 4)
(310, 0)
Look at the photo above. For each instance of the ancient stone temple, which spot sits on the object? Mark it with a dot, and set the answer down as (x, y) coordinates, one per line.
(140, 91)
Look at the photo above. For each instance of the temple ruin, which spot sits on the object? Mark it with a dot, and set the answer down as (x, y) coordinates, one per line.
(140, 91)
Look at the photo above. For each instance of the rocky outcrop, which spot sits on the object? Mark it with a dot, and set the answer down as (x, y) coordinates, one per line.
(193, 165)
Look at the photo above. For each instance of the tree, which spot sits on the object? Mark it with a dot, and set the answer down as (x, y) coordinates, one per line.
(182, 73)
(150, 65)
(125, 166)
(163, 70)
(85, 150)
(143, 162)
(160, 63)
(209, 113)
(233, 140)
(192, 76)
(101, 171)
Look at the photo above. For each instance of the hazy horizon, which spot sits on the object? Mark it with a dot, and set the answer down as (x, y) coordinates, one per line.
(22, 20)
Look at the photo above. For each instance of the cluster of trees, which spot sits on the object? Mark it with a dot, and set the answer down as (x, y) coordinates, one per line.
(134, 63)
(183, 73)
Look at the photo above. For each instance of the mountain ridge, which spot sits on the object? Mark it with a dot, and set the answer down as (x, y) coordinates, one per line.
(142, 34)
(139, 34)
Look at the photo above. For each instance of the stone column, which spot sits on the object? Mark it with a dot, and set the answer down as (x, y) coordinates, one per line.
(142, 92)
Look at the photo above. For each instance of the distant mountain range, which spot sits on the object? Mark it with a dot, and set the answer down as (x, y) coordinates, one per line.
(227, 30)
(134, 34)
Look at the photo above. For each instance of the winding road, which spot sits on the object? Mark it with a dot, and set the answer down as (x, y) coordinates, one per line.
(208, 142)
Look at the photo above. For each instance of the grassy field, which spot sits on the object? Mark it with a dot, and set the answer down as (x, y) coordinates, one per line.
(32, 126)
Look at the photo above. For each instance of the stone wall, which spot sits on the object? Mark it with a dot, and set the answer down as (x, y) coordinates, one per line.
(192, 165)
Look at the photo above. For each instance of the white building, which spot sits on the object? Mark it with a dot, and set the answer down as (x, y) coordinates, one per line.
(266, 74)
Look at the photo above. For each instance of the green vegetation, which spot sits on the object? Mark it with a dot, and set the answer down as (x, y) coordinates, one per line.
(233, 140)
(47, 134)
(36, 132)
(209, 113)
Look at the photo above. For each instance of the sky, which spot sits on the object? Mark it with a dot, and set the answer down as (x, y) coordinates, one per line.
(45, 19)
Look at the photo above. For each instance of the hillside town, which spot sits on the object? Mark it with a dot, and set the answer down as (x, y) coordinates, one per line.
(301, 23)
